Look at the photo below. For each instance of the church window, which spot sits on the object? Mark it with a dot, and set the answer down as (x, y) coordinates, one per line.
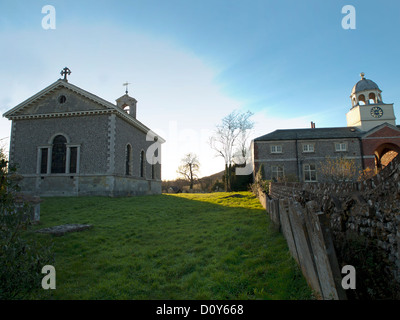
(308, 147)
(142, 164)
(277, 172)
(43, 160)
(73, 160)
(128, 158)
(62, 99)
(59, 155)
(276, 149)
(310, 174)
(340, 147)
(153, 164)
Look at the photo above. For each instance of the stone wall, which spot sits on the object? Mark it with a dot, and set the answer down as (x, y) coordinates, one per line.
(89, 185)
(32, 203)
(310, 243)
(370, 208)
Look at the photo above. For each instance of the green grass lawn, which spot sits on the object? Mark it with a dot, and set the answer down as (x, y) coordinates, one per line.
(186, 246)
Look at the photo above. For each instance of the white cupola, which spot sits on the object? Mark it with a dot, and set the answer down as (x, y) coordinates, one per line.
(367, 108)
(365, 92)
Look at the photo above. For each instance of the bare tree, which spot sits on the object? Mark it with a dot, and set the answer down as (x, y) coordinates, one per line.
(339, 170)
(3, 153)
(189, 168)
(230, 139)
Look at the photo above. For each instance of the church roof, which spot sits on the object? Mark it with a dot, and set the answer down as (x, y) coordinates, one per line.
(364, 84)
(311, 133)
(14, 113)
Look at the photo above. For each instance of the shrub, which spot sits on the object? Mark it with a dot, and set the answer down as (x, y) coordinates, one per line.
(339, 170)
(373, 276)
(259, 182)
(21, 260)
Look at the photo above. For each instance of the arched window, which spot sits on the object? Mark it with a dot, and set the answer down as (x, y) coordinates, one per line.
(128, 160)
(372, 98)
(142, 164)
(361, 99)
(59, 154)
(127, 109)
(153, 165)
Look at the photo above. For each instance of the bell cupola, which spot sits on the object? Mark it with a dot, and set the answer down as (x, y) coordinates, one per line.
(127, 103)
(367, 108)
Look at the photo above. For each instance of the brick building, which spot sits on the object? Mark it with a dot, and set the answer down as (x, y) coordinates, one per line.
(371, 139)
(67, 141)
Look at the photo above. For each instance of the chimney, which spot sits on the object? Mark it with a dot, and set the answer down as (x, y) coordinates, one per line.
(312, 125)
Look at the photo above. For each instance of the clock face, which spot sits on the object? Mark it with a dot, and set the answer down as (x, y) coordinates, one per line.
(376, 112)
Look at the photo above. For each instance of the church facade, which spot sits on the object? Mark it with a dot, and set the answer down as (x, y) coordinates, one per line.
(371, 139)
(66, 141)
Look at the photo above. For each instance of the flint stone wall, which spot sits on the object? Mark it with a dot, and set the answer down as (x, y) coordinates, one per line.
(370, 208)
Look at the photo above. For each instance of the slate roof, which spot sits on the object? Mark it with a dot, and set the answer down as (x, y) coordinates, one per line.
(312, 133)
(12, 113)
(364, 84)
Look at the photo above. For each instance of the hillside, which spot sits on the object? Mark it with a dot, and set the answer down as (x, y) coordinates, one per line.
(204, 184)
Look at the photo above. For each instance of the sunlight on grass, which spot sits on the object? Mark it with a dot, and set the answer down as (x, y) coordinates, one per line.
(183, 246)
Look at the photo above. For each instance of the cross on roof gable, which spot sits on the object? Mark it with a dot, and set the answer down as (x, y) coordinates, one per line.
(50, 89)
(13, 113)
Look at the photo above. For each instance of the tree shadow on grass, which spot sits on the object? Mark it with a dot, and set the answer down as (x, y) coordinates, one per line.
(214, 246)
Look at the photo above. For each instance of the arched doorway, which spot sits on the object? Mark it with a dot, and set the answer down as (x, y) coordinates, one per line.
(385, 153)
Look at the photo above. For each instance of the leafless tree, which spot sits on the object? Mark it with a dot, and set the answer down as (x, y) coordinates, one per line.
(230, 141)
(189, 168)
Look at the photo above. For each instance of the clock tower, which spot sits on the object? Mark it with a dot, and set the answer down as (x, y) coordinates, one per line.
(368, 109)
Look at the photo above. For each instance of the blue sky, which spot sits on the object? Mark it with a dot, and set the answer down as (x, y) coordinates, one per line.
(193, 62)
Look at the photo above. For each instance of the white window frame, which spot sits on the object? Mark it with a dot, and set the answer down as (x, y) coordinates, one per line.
(308, 148)
(309, 170)
(277, 171)
(339, 146)
(49, 159)
(39, 160)
(276, 148)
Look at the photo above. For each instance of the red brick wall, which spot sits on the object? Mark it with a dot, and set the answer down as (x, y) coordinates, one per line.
(371, 143)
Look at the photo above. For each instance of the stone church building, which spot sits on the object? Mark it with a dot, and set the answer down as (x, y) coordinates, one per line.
(371, 139)
(69, 142)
